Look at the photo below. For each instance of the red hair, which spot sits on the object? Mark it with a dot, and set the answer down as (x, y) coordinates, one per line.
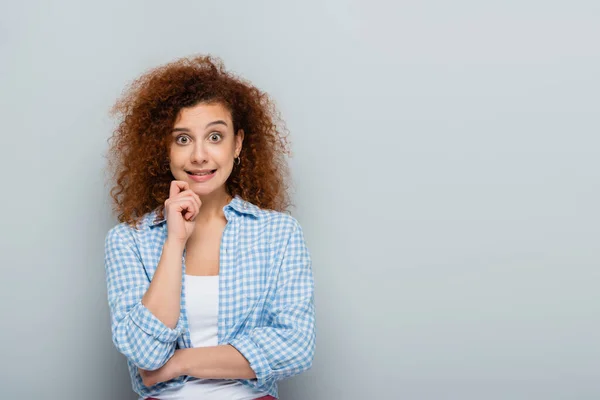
(138, 152)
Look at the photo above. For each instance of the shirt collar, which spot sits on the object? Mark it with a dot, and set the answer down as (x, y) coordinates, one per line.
(237, 203)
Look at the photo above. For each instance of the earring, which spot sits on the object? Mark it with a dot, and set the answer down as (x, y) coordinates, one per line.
(238, 161)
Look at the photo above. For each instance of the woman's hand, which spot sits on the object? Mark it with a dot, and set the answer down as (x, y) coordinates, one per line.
(181, 209)
(172, 369)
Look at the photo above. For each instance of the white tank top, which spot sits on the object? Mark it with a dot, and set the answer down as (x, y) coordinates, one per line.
(202, 306)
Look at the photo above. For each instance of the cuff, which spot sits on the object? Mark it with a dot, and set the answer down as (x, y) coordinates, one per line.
(147, 322)
(254, 355)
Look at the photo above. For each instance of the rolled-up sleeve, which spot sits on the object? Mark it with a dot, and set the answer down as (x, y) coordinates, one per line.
(286, 347)
(136, 332)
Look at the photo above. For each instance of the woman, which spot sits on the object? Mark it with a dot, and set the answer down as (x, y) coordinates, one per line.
(209, 281)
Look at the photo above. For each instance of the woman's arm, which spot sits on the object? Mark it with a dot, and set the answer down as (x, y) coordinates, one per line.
(283, 349)
(145, 339)
(215, 362)
(163, 297)
(286, 347)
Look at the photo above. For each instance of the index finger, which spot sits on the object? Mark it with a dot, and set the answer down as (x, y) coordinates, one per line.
(177, 187)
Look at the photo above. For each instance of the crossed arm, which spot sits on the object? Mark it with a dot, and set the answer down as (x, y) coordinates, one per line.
(146, 330)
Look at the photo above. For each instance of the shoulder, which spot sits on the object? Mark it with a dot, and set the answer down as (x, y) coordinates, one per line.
(280, 219)
(123, 233)
(276, 227)
(272, 218)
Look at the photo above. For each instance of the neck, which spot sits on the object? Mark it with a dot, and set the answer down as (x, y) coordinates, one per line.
(212, 206)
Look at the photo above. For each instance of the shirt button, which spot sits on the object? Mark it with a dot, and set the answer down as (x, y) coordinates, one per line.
(245, 205)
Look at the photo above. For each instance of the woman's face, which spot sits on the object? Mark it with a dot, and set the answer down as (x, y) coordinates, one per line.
(203, 143)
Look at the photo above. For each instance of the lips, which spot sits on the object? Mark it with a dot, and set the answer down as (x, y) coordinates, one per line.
(202, 178)
(202, 173)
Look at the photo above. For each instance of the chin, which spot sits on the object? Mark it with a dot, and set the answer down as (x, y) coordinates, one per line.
(204, 190)
(201, 190)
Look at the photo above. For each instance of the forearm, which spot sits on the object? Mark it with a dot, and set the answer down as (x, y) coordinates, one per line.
(163, 297)
(215, 362)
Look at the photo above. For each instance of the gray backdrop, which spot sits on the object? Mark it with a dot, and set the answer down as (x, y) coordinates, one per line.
(446, 160)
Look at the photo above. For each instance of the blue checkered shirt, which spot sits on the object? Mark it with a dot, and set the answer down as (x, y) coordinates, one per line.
(266, 302)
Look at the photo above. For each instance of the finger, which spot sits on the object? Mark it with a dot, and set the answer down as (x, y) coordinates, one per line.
(190, 193)
(187, 192)
(173, 189)
(196, 198)
(187, 207)
(193, 209)
(177, 187)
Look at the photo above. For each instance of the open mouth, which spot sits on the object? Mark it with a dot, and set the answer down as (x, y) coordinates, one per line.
(205, 173)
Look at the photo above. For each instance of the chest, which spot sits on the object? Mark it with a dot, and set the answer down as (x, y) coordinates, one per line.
(203, 253)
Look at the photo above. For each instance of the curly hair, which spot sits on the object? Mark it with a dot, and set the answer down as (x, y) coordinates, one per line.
(138, 153)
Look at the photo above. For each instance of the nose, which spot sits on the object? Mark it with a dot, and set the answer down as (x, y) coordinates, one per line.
(198, 154)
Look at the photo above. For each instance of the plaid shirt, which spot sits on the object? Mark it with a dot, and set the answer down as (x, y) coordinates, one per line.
(266, 303)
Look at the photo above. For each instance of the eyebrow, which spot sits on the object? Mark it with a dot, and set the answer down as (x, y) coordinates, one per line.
(218, 122)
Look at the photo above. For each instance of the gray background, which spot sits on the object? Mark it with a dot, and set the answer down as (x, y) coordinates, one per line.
(446, 160)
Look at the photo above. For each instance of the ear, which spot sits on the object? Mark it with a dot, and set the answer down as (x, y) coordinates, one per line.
(239, 139)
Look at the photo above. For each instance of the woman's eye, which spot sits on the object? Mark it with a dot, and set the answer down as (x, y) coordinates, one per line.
(182, 137)
(215, 137)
